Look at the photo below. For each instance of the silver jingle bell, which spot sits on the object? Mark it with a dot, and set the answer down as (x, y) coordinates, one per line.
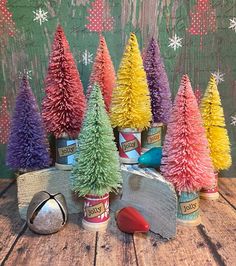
(47, 213)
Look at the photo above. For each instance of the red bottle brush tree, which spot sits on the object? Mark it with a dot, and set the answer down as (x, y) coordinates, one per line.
(186, 158)
(99, 18)
(7, 25)
(103, 73)
(202, 19)
(4, 122)
(64, 104)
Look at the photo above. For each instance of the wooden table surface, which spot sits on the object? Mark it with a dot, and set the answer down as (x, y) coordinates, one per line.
(211, 243)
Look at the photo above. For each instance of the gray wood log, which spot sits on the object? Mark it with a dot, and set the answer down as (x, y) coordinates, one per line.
(147, 191)
(50, 180)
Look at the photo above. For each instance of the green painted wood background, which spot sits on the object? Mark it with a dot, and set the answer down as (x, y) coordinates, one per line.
(30, 47)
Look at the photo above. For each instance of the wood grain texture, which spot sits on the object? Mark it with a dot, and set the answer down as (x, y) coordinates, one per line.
(4, 184)
(71, 246)
(11, 224)
(50, 180)
(188, 248)
(147, 191)
(219, 220)
(227, 188)
(115, 247)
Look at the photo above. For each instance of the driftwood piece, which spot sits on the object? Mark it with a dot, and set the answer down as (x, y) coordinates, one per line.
(146, 190)
(50, 180)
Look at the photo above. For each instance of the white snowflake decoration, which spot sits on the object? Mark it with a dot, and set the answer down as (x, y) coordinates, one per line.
(26, 72)
(175, 42)
(232, 24)
(233, 120)
(219, 77)
(40, 16)
(86, 58)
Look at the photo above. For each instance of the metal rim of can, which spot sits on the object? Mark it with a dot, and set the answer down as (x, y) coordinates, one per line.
(157, 125)
(129, 130)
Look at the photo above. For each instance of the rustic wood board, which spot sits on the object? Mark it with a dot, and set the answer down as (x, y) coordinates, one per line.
(219, 219)
(11, 224)
(146, 190)
(188, 248)
(50, 180)
(115, 246)
(227, 188)
(71, 246)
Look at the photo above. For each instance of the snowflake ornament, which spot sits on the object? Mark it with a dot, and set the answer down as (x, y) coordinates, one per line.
(219, 77)
(233, 120)
(40, 16)
(175, 42)
(86, 58)
(232, 24)
(26, 72)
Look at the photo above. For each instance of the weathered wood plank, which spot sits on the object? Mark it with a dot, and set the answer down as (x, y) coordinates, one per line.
(227, 188)
(219, 220)
(70, 246)
(4, 184)
(11, 224)
(116, 247)
(188, 248)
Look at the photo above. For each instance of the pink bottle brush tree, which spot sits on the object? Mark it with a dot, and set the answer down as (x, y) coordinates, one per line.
(99, 18)
(186, 161)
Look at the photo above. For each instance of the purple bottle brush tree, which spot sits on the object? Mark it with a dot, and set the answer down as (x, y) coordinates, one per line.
(160, 95)
(158, 84)
(27, 146)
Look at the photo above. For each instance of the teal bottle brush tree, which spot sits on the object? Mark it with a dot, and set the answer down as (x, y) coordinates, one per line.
(96, 171)
(186, 158)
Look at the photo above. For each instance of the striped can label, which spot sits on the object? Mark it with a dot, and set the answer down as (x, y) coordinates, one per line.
(129, 145)
(152, 137)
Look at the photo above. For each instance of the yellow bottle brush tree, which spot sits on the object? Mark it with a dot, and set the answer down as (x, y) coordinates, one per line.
(131, 108)
(217, 135)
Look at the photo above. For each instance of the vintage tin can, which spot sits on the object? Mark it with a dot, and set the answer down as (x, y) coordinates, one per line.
(129, 145)
(212, 192)
(65, 153)
(152, 137)
(188, 209)
(96, 212)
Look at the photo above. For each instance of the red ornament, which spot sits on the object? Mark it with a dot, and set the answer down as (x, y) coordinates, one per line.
(129, 220)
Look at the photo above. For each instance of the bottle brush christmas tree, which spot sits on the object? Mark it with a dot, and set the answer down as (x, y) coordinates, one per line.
(158, 84)
(131, 109)
(130, 99)
(27, 146)
(217, 135)
(64, 104)
(97, 170)
(186, 161)
(160, 96)
(103, 73)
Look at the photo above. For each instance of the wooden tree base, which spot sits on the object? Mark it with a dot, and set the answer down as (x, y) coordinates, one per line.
(209, 196)
(94, 227)
(190, 222)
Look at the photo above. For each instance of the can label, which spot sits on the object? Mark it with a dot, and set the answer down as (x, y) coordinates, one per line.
(96, 209)
(152, 137)
(189, 207)
(66, 150)
(130, 145)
